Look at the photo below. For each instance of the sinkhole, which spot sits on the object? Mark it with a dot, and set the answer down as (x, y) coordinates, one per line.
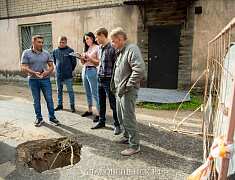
(47, 154)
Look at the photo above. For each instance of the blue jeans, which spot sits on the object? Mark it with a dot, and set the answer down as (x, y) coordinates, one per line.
(36, 85)
(69, 85)
(104, 89)
(90, 83)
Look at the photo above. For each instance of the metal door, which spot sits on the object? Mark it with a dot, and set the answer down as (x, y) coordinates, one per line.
(163, 52)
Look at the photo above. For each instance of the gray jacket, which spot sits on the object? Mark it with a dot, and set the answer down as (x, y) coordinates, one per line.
(131, 69)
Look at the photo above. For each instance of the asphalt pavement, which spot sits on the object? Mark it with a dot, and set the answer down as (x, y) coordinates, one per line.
(164, 155)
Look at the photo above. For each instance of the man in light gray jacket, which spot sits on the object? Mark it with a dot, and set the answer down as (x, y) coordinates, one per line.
(129, 70)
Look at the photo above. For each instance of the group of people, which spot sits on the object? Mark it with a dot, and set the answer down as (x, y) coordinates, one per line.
(110, 69)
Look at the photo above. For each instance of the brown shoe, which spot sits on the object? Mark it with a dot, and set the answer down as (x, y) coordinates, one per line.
(130, 151)
(121, 141)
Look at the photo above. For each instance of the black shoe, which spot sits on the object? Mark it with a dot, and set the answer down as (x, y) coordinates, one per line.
(58, 107)
(96, 119)
(117, 130)
(86, 114)
(38, 121)
(54, 121)
(72, 109)
(98, 125)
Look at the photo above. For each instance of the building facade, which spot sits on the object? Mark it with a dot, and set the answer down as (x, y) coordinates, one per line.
(173, 35)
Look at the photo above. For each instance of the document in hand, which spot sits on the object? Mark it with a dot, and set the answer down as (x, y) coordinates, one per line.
(76, 54)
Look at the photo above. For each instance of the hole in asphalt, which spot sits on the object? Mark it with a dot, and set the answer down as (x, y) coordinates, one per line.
(47, 154)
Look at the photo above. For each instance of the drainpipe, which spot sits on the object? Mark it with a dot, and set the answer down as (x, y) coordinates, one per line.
(230, 131)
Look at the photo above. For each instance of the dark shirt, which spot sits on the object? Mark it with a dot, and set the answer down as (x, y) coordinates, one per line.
(65, 64)
(107, 56)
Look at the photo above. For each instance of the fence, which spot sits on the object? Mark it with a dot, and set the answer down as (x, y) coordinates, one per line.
(219, 90)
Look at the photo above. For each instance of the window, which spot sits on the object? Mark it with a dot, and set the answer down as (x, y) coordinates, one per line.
(29, 30)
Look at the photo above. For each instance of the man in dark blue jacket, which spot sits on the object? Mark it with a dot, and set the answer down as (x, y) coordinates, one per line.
(65, 65)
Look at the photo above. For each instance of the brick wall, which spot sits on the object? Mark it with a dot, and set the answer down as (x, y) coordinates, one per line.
(21, 8)
(3, 8)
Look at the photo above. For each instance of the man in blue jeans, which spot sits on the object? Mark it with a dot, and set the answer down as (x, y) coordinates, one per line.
(38, 64)
(107, 56)
(65, 65)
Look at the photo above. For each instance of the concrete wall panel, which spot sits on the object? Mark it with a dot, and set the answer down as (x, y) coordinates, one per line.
(216, 14)
(9, 51)
(71, 24)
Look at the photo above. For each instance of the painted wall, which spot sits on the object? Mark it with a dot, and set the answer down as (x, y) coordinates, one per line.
(9, 38)
(71, 24)
(86, 16)
(216, 14)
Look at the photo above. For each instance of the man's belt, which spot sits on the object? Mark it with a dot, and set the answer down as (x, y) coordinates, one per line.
(89, 67)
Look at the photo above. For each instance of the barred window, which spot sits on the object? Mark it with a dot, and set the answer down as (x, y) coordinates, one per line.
(27, 31)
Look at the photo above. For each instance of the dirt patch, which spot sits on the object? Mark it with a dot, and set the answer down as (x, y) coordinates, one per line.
(13, 132)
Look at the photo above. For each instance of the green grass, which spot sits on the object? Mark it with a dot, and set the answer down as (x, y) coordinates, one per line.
(195, 102)
(79, 83)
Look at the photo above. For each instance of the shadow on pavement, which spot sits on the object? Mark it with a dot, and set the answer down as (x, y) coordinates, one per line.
(158, 148)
